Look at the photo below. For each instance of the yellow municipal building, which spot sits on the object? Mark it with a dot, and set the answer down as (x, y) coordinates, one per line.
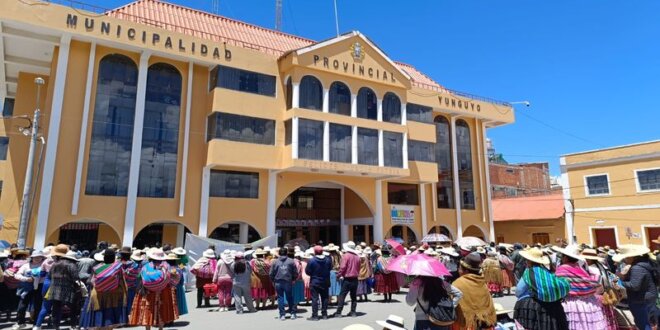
(160, 120)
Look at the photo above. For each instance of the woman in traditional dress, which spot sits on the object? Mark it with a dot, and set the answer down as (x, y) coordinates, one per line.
(493, 274)
(30, 287)
(507, 270)
(386, 282)
(539, 295)
(155, 301)
(131, 264)
(17, 258)
(306, 278)
(583, 310)
(426, 291)
(223, 280)
(203, 269)
(262, 287)
(366, 272)
(181, 302)
(608, 294)
(299, 285)
(475, 310)
(105, 307)
(335, 283)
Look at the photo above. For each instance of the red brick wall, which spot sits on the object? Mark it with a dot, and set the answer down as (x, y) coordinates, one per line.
(519, 179)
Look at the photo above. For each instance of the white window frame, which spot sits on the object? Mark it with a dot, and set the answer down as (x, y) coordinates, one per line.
(637, 186)
(586, 185)
(592, 234)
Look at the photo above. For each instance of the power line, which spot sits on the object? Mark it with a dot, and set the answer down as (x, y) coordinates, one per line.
(560, 130)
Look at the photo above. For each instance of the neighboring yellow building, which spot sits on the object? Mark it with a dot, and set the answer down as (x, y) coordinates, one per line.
(615, 194)
(530, 219)
(160, 120)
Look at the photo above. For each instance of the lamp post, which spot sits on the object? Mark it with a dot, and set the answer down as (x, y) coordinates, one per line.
(27, 188)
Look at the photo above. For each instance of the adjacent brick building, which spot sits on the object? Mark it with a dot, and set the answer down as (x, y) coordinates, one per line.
(510, 180)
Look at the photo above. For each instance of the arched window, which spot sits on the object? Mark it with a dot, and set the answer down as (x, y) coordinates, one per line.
(391, 108)
(289, 93)
(160, 133)
(464, 157)
(367, 104)
(340, 99)
(445, 185)
(311, 93)
(112, 127)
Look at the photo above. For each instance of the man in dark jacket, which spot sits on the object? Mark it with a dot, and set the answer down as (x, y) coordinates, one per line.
(519, 262)
(641, 288)
(283, 273)
(318, 269)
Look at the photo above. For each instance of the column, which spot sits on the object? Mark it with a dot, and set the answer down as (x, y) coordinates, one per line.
(404, 114)
(489, 203)
(457, 190)
(136, 151)
(295, 96)
(270, 205)
(326, 100)
(294, 138)
(354, 105)
(243, 233)
(378, 217)
(405, 151)
(186, 140)
(354, 146)
(326, 141)
(55, 115)
(568, 205)
(381, 155)
(422, 206)
(344, 226)
(379, 109)
(480, 162)
(180, 234)
(83, 128)
(204, 202)
(434, 201)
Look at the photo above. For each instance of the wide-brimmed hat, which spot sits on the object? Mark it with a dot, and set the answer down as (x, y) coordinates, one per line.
(18, 252)
(156, 254)
(137, 255)
(572, 251)
(331, 247)
(37, 254)
(172, 256)
(179, 251)
(535, 255)
(99, 256)
(227, 256)
(430, 252)
(60, 250)
(47, 250)
(209, 254)
(358, 326)
(4, 254)
(393, 322)
(71, 255)
(448, 251)
(125, 250)
(472, 262)
(590, 254)
(349, 246)
(630, 250)
(367, 251)
(259, 252)
(239, 255)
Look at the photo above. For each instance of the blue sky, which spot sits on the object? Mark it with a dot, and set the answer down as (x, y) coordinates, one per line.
(591, 69)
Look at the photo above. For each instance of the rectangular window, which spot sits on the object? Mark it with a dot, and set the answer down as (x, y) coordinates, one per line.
(419, 113)
(233, 184)
(238, 128)
(393, 149)
(648, 180)
(541, 238)
(243, 80)
(310, 139)
(597, 185)
(8, 107)
(4, 144)
(367, 146)
(421, 151)
(402, 194)
(340, 143)
(288, 131)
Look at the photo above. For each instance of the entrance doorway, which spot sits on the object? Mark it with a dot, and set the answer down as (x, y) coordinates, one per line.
(85, 235)
(604, 236)
(403, 233)
(653, 233)
(363, 233)
(231, 232)
(312, 214)
(158, 234)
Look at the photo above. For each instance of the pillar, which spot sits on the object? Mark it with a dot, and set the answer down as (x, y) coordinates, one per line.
(422, 206)
(186, 140)
(404, 152)
(204, 202)
(381, 154)
(326, 141)
(180, 234)
(342, 214)
(404, 114)
(243, 230)
(568, 205)
(379, 109)
(354, 145)
(378, 217)
(270, 205)
(326, 100)
(294, 138)
(295, 95)
(457, 190)
(354, 105)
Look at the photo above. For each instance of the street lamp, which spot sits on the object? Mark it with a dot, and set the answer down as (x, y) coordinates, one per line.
(525, 103)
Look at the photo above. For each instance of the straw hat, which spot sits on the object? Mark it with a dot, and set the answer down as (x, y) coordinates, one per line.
(172, 256)
(37, 254)
(358, 327)
(48, 250)
(430, 252)
(393, 322)
(499, 309)
(535, 255)
(472, 262)
(71, 255)
(630, 250)
(349, 246)
(60, 250)
(332, 247)
(209, 254)
(156, 254)
(19, 252)
(259, 252)
(367, 251)
(99, 256)
(590, 254)
(137, 256)
(448, 251)
(179, 251)
(572, 251)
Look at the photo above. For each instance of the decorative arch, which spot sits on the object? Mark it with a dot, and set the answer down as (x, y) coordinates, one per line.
(85, 232)
(393, 232)
(311, 93)
(340, 99)
(367, 104)
(159, 233)
(226, 231)
(391, 108)
(476, 231)
(440, 229)
(310, 182)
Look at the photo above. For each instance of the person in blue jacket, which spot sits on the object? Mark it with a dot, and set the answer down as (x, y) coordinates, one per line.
(318, 270)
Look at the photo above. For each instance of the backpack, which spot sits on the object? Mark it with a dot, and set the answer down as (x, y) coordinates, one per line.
(442, 313)
(154, 279)
(207, 270)
(105, 277)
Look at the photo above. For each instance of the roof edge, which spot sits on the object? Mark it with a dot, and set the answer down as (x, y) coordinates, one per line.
(611, 148)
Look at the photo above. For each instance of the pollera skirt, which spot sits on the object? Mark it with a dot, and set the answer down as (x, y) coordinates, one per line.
(584, 313)
(363, 287)
(335, 284)
(539, 315)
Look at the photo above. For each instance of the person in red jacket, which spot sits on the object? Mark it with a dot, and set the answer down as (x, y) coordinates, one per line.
(348, 272)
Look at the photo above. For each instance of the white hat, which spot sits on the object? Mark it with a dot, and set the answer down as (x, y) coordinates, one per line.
(349, 246)
(630, 250)
(72, 255)
(209, 254)
(448, 251)
(179, 251)
(4, 254)
(37, 254)
(137, 255)
(99, 256)
(156, 254)
(572, 251)
(430, 252)
(393, 322)
(331, 247)
(367, 251)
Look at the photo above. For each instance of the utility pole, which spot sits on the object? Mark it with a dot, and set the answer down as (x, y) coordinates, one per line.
(27, 188)
(278, 15)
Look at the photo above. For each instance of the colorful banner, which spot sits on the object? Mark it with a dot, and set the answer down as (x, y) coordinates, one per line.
(402, 214)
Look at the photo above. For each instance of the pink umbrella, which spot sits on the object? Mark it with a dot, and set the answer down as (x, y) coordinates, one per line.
(418, 265)
(396, 246)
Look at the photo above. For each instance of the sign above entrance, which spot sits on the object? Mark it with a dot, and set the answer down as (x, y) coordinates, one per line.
(306, 223)
(402, 214)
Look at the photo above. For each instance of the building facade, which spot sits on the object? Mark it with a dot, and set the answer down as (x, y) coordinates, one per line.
(612, 195)
(161, 120)
(530, 219)
(527, 179)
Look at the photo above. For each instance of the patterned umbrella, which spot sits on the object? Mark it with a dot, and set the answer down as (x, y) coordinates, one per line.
(396, 246)
(470, 241)
(432, 238)
(418, 264)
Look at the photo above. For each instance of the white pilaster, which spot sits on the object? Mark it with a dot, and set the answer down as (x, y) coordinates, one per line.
(52, 139)
(180, 234)
(488, 192)
(354, 145)
(326, 141)
(404, 116)
(344, 226)
(186, 140)
(482, 184)
(422, 206)
(381, 155)
(568, 205)
(295, 96)
(378, 217)
(271, 209)
(83, 128)
(204, 202)
(243, 233)
(354, 105)
(294, 137)
(434, 201)
(379, 109)
(457, 190)
(326, 100)
(405, 151)
(136, 150)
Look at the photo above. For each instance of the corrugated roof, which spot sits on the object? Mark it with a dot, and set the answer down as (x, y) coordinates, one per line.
(529, 208)
(205, 25)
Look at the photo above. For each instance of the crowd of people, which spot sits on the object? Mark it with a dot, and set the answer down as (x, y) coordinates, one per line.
(557, 287)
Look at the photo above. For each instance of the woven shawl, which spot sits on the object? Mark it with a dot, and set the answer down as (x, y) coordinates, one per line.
(582, 283)
(544, 285)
